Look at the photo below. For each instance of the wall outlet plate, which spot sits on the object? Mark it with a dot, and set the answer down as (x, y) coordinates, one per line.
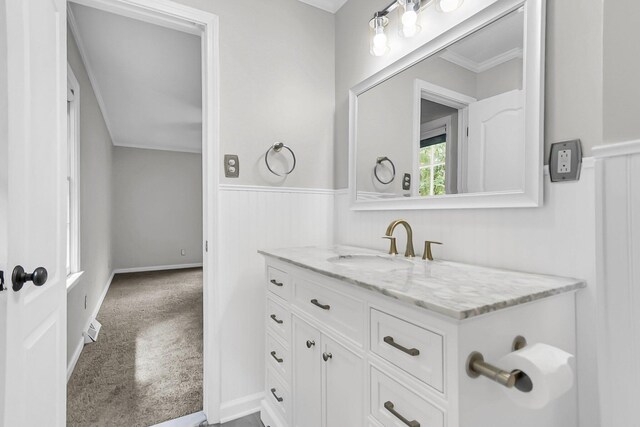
(231, 166)
(406, 181)
(565, 161)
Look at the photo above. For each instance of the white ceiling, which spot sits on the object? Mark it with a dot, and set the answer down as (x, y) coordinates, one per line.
(331, 6)
(147, 79)
(499, 42)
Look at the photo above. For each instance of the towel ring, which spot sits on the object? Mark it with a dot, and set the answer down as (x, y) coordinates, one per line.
(277, 147)
(379, 161)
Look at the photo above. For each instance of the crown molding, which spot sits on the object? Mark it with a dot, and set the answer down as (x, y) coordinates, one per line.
(75, 31)
(479, 67)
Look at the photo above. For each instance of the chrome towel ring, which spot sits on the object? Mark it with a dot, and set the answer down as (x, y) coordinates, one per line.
(379, 161)
(277, 147)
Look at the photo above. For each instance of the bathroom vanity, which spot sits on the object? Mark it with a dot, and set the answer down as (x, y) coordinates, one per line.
(359, 338)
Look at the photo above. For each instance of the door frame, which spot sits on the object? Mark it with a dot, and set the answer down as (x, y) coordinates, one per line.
(441, 95)
(206, 25)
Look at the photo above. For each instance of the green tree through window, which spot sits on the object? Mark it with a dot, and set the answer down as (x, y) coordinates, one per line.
(432, 169)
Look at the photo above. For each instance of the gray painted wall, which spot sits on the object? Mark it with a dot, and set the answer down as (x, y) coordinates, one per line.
(96, 154)
(277, 84)
(621, 71)
(157, 208)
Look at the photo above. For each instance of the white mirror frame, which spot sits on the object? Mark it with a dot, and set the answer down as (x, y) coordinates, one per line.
(534, 43)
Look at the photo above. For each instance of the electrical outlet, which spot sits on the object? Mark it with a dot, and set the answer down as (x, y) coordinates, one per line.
(565, 161)
(183, 252)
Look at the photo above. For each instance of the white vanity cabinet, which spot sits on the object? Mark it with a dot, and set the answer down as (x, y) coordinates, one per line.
(327, 380)
(339, 354)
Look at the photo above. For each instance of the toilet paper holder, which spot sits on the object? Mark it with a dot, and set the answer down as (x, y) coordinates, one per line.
(476, 367)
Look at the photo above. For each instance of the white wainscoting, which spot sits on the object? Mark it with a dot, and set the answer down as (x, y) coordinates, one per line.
(253, 218)
(618, 265)
(557, 238)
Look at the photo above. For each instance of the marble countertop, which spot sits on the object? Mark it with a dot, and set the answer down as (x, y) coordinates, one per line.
(459, 291)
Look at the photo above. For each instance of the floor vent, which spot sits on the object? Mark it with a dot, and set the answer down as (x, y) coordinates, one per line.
(92, 333)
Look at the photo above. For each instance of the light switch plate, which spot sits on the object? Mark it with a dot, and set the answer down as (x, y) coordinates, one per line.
(231, 166)
(565, 161)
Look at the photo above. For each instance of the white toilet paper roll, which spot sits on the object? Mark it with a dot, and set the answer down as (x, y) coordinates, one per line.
(551, 371)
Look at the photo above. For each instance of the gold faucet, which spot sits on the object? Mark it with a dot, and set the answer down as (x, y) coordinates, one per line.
(428, 255)
(409, 252)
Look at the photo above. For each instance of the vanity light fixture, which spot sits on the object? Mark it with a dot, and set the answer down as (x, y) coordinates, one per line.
(379, 40)
(408, 12)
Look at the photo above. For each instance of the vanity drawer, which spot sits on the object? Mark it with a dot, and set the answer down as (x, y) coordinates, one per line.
(278, 357)
(334, 309)
(278, 395)
(411, 348)
(278, 283)
(278, 319)
(394, 405)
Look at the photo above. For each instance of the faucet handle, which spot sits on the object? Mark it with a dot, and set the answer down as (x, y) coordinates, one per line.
(427, 249)
(393, 249)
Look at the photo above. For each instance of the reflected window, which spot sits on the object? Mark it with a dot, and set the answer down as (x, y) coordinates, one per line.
(432, 167)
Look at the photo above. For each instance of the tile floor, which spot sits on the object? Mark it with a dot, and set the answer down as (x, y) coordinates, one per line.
(252, 420)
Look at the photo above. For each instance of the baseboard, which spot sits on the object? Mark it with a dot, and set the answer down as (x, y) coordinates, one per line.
(238, 408)
(156, 268)
(74, 359)
(76, 353)
(193, 420)
(96, 310)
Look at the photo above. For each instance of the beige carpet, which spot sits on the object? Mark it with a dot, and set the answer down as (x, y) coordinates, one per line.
(146, 366)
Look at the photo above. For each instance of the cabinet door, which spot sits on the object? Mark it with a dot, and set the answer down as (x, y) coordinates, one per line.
(307, 375)
(343, 386)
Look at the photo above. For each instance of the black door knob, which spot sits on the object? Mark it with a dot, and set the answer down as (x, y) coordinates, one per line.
(19, 277)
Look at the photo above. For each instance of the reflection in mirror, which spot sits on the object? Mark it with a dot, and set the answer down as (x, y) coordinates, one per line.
(452, 123)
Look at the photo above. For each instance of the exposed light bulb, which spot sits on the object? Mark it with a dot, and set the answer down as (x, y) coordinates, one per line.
(379, 40)
(409, 18)
(449, 5)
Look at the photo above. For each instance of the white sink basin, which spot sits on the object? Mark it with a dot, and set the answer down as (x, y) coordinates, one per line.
(372, 262)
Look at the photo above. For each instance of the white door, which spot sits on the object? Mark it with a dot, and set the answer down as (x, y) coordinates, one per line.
(33, 335)
(343, 385)
(495, 150)
(307, 375)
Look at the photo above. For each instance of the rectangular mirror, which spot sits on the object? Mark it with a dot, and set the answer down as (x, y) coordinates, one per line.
(458, 127)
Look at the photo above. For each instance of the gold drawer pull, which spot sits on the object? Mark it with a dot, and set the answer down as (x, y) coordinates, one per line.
(390, 407)
(409, 351)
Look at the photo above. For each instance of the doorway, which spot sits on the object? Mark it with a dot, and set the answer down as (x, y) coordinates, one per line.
(204, 26)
